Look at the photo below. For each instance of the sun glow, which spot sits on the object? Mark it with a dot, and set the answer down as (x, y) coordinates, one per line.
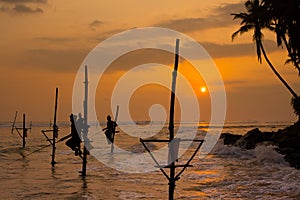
(203, 89)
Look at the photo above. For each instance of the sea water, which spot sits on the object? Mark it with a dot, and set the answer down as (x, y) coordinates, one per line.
(228, 172)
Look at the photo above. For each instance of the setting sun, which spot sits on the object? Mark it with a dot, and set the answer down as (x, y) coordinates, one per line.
(203, 89)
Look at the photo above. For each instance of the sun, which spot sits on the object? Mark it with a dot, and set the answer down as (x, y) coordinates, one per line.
(203, 89)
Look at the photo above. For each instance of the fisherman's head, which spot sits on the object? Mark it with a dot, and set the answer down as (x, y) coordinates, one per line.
(73, 117)
(108, 117)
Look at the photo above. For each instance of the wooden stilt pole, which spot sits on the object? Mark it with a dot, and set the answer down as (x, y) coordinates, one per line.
(24, 131)
(171, 122)
(55, 129)
(173, 142)
(85, 125)
(114, 130)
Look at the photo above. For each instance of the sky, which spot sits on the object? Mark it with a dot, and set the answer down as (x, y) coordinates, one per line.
(44, 42)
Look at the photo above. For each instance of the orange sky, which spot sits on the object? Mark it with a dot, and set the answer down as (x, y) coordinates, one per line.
(43, 43)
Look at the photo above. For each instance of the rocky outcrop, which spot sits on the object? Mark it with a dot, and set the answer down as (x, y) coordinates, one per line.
(250, 140)
(287, 140)
(230, 139)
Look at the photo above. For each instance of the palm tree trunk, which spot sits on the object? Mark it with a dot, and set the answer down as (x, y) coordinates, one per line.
(276, 73)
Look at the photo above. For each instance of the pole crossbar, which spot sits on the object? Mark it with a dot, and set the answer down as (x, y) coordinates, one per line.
(154, 159)
(191, 158)
(168, 166)
(181, 140)
(25, 130)
(47, 138)
(176, 166)
(155, 140)
(17, 129)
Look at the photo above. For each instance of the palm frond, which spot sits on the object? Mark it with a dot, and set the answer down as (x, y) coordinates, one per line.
(288, 61)
(279, 40)
(239, 15)
(241, 31)
(234, 35)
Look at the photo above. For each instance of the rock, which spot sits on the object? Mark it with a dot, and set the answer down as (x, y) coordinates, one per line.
(288, 141)
(250, 140)
(293, 158)
(268, 136)
(290, 137)
(230, 139)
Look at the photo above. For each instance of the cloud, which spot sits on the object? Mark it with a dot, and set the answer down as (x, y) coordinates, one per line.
(235, 50)
(58, 60)
(235, 82)
(220, 17)
(4, 9)
(95, 24)
(55, 39)
(21, 8)
(70, 59)
(24, 1)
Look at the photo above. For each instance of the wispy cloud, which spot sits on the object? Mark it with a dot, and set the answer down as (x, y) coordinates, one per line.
(220, 17)
(95, 24)
(55, 39)
(58, 60)
(24, 1)
(4, 9)
(236, 50)
(22, 6)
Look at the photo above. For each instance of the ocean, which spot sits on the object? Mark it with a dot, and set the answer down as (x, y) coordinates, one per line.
(227, 172)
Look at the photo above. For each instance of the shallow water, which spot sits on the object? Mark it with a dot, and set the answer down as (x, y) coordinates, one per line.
(226, 173)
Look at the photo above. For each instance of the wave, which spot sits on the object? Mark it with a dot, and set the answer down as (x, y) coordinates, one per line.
(262, 154)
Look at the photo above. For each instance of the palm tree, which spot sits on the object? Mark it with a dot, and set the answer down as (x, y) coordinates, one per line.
(257, 18)
(284, 15)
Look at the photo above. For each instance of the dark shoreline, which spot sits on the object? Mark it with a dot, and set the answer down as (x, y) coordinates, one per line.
(287, 141)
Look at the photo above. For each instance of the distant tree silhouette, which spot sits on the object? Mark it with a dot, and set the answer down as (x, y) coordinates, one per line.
(262, 15)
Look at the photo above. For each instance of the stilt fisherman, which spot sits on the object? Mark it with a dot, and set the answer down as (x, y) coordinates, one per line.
(110, 129)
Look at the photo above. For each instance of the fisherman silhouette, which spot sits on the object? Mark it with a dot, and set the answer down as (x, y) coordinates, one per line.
(74, 141)
(79, 125)
(81, 131)
(110, 129)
